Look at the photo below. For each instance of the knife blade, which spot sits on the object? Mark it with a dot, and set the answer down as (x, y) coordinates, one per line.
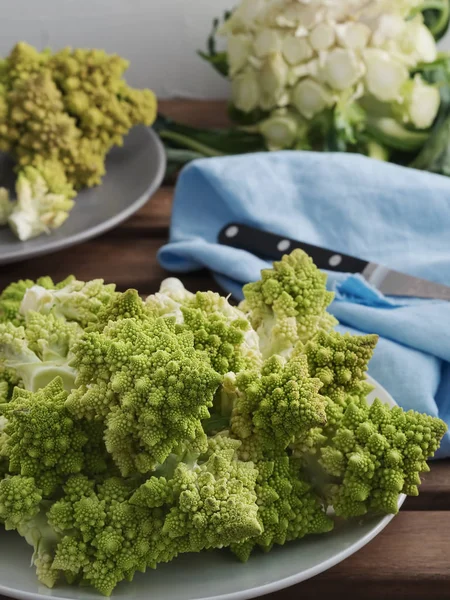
(388, 281)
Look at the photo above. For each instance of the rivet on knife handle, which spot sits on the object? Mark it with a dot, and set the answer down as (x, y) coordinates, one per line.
(273, 247)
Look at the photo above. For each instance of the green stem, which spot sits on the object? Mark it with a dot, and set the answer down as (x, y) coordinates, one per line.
(187, 142)
(442, 7)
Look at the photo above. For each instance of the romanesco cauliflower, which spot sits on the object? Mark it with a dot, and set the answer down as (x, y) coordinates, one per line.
(134, 431)
(60, 114)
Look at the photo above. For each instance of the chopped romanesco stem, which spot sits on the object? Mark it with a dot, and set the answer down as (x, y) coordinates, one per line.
(37, 210)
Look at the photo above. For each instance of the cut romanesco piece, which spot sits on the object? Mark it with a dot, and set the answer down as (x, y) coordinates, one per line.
(12, 296)
(221, 330)
(147, 382)
(39, 350)
(37, 209)
(288, 305)
(375, 454)
(288, 509)
(339, 361)
(38, 534)
(43, 441)
(71, 300)
(275, 406)
(212, 499)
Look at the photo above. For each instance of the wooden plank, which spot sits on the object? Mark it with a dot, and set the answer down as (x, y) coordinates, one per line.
(407, 561)
(198, 113)
(132, 263)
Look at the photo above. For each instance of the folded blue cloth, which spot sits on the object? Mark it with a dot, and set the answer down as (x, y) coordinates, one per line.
(392, 215)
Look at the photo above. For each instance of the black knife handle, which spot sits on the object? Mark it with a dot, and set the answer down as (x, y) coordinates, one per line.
(273, 247)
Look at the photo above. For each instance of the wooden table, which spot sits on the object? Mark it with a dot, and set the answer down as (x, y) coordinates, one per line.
(410, 559)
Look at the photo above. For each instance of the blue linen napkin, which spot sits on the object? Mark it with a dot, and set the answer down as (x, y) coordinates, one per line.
(381, 212)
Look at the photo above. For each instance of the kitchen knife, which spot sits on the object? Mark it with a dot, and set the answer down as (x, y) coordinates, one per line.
(273, 247)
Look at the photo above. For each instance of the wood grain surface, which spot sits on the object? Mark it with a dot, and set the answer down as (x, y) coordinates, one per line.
(410, 559)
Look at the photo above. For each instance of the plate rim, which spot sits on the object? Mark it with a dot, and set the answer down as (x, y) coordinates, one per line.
(108, 224)
(268, 588)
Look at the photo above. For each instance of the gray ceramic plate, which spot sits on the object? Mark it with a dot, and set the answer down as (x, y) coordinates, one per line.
(209, 576)
(133, 173)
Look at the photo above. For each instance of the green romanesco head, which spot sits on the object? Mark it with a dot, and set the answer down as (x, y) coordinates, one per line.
(287, 507)
(37, 123)
(148, 384)
(288, 305)
(376, 454)
(95, 93)
(43, 440)
(275, 406)
(61, 113)
(340, 362)
(20, 500)
(220, 330)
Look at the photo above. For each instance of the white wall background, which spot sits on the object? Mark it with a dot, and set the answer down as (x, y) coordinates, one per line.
(159, 37)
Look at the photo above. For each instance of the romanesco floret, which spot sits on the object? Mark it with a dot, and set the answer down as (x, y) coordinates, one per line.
(12, 296)
(275, 406)
(287, 507)
(43, 440)
(213, 499)
(20, 500)
(340, 362)
(376, 454)
(105, 538)
(288, 305)
(37, 209)
(147, 382)
(220, 330)
(40, 350)
(71, 300)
